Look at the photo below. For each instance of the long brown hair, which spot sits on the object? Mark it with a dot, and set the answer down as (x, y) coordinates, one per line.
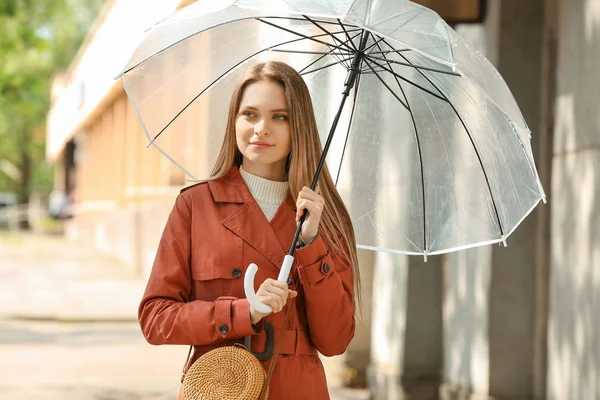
(303, 160)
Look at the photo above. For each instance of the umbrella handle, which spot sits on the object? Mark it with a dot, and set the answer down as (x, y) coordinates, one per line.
(286, 267)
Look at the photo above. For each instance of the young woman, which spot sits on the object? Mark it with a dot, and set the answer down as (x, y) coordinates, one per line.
(248, 213)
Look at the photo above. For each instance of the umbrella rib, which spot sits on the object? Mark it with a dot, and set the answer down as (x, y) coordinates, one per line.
(335, 38)
(342, 52)
(414, 122)
(387, 51)
(325, 54)
(386, 85)
(356, 88)
(368, 71)
(415, 66)
(217, 79)
(407, 80)
(327, 66)
(300, 34)
(366, 51)
(317, 20)
(440, 96)
(472, 143)
(347, 35)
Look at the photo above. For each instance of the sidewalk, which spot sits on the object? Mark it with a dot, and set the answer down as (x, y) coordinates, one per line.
(44, 278)
(49, 278)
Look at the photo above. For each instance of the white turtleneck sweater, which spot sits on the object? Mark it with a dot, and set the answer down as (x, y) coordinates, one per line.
(268, 194)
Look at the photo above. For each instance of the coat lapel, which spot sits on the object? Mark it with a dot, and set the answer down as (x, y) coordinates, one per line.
(284, 222)
(247, 220)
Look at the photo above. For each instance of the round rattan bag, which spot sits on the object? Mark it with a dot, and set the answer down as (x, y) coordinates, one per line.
(228, 372)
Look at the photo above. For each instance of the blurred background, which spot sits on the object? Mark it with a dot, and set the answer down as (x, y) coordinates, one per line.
(83, 204)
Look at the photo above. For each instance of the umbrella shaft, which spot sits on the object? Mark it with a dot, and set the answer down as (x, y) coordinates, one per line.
(355, 67)
(350, 80)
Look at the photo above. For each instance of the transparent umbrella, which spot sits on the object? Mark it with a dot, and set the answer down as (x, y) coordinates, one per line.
(427, 145)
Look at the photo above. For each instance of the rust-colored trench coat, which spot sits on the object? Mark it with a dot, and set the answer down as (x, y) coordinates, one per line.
(195, 292)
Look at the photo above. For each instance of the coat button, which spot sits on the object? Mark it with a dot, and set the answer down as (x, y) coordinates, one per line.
(236, 273)
(224, 329)
(326, 268)
(290, 281)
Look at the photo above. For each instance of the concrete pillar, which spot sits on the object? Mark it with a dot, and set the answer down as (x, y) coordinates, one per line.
(513, 291)
(407, 338)
(423, 341)
(388, 326)
(543, 244)
(467, 273)
(466, 334)
(358, 354)
(574, 338)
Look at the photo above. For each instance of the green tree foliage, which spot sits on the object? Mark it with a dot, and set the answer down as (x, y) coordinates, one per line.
(37, 39)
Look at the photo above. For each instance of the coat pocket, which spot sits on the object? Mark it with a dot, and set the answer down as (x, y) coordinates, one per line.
(218, 271)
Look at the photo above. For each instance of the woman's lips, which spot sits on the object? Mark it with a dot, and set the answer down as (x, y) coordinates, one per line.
(261, 145)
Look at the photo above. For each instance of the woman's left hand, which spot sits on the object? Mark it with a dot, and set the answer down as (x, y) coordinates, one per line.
(314, 203)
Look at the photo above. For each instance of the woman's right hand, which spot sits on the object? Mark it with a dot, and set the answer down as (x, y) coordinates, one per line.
(274, 294)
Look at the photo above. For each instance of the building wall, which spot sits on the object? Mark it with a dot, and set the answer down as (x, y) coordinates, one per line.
(574, 338)
(124, 189)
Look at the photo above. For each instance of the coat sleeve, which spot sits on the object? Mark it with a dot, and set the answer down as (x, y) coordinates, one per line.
(327, 281)
(166, 314)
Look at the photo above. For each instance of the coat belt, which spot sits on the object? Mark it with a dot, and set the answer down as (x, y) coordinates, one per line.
(294, 342)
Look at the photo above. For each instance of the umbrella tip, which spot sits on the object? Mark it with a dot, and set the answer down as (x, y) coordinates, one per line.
(425, 257)
(504, 242)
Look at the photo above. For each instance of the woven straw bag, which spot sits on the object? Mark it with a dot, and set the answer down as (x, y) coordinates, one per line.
(228, 372)
(231, 372)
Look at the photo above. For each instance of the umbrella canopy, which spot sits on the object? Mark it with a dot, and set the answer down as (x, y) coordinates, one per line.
(430, 153)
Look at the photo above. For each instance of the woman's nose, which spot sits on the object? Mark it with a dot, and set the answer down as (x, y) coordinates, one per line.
(260, 128)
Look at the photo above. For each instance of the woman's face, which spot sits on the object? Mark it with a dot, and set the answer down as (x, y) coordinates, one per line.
(262, 130)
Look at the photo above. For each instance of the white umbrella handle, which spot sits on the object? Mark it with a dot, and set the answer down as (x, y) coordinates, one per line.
(284, 273)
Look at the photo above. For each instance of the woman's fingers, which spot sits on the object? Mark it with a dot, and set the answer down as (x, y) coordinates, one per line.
(301, 205)
(310, 200)
(275, 294)
(270, 282)
(306, 193)
(277, 291)
(312, 207)
(271, 302)
(276, 297)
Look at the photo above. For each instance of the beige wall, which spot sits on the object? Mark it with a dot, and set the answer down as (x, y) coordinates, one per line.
(574, 325)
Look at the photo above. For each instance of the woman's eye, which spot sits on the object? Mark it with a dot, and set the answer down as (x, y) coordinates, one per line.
(280, 117)
(248, 114)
